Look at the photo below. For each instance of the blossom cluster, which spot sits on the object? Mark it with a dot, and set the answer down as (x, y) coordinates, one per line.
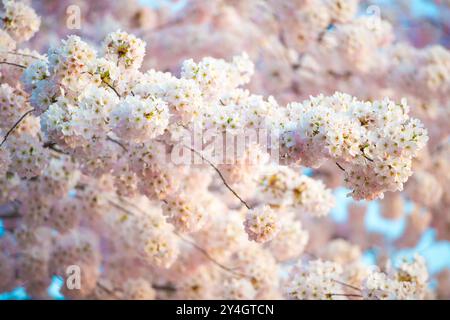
(108, 165)
(283, 186)
(314, 281)
(407, 282)
(374, 142)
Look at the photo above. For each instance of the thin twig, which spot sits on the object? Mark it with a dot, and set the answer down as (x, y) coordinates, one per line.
(338, 75)
(51, 146)
(112, 88)
(347, 285)
(364, 155)
(207, 255)
(196, 246)
(311, 255)
(340, 167)
(220, 175)
(118, 206)
(107, 83)
(22, 54)
(13, 64)
(169, 24)
(120, 144)
(132, 204)
(164, 288)
(13, 216)
(107, 290)
(345, 295)
(15, 126)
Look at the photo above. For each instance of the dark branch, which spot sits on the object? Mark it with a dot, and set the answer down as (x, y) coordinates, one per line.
(108, 84)
(364, 155)
(15, 126)
(23, 54)
(12, 216)
(196, 246)
(107, 290)
(52, 146)
(347, 285)
(120, 144)
(207, 255)
(164, 288)
(112, 88)
(344, 295)
(220, 175)
(13, 64)
(340, 167)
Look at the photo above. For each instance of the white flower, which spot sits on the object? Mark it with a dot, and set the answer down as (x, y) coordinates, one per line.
(5, 159)
(28, 157)
(311, 196)
(216, 75)
(105, 72)
(69, 63)
(282, 186)
(374, 141)
(184, 214)
(316, 280)
(274, 185)
(19, 20)
(238, 289)
(408, 282)
(36, 72)
(423, 188)
(140, 119)
(290, 242)
(13, 105)
(43, 95)
(261, 224)
(90, 118)
(6, 43)
(184, 98)
(342, 11)
(161, 248)
(124, 49)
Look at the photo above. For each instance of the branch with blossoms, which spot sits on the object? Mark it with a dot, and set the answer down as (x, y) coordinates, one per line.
(88, 134)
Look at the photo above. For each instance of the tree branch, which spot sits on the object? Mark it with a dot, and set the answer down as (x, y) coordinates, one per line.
(207, 255)
(347, 285)
(22, 54)
(220, 175)
(120, 144)
(340, 167)
(15, 126)
(13, 64)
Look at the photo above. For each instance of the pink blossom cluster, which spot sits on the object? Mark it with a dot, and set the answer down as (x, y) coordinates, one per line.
(107, 168)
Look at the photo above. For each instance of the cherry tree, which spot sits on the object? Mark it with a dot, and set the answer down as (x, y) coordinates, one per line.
(163, 168)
